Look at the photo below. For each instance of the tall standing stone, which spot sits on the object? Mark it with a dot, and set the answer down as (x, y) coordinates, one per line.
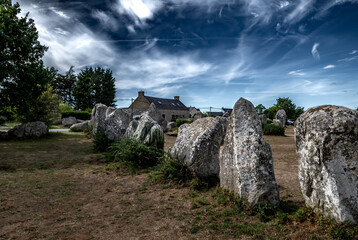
(281, 116)
(327, 146)
(198, 145)
(246, 163)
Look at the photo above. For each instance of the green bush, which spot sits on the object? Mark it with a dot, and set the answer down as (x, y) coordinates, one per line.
(133, 154)
(170, 169)
(83, 115)
(181, 121)
(100, 141)
(272, 129)
(269, 121)
(3, 119)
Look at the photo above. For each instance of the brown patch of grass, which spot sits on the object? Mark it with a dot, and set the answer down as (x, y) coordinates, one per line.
(77, 197)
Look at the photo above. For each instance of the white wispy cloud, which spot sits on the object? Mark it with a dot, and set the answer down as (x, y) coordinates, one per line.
(106, 19)
(315, 52)
(60, 13)
(297, 73)
(329, 66)
(348, 59)
(353, 52)
(301, 9)
(284, 4)
(138, 10)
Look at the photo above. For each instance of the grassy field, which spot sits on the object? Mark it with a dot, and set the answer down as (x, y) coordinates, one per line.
(57, 188)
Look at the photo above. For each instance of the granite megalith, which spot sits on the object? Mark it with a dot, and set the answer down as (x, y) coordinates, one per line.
(281, 116)
(327, 147)
(246, 163)
(29, 130)
(198, 145)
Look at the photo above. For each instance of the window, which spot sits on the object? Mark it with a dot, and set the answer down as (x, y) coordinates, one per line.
(163, 116)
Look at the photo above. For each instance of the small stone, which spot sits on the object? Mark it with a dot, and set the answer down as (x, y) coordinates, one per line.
(79, 127)
(68, 122)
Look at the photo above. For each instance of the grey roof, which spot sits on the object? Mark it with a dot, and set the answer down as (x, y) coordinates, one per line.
(164, 103)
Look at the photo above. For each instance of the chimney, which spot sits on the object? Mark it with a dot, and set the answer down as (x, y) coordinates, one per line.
(176, 98)
(140, 93)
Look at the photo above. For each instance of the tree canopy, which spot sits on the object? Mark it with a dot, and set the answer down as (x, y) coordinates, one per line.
(23, 77)
(63, 85)
(94, 85)
(284, 103)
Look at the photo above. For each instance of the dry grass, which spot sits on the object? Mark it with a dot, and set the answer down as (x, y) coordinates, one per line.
(56, 188)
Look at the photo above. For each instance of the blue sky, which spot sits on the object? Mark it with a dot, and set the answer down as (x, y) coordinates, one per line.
(209, 52)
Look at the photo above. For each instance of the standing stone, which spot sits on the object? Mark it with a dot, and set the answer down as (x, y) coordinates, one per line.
(132, 127)
(68, 122)
(116, 123)
(31, 129)
(327, 146)
(282, 117)
(170, 126)
(263, 119)
(198, 145)
(97, 118)
(148, 131)
(246, 163)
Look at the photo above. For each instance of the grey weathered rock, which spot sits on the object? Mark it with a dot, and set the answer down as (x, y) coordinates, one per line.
(132, 127)
(4, 135)
(263, 119)
(277, 122)
(112, 121)
(154, 114)
(327, 146)
(246, 163)
(164, 125)
(148, 130)
(116, 123)
(31, 129)
(170, 126)
(80, 120)
(98, 117)
(68, 122)
(282, 117)
(198, 145)
(79, 127)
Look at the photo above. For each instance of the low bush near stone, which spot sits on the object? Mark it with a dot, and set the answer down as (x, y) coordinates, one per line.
(269, 121)
(170, 169)
(100, 141)
(181, 121)
(272, 129)
(134, 154)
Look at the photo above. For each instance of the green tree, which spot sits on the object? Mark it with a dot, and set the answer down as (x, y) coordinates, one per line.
(290, 108)
(271, 112)
(260, 109)
(23, 77)
(63, 85)
(94, 86)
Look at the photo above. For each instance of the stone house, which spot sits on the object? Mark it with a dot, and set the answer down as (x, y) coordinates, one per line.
(170, 109)
(193, 111)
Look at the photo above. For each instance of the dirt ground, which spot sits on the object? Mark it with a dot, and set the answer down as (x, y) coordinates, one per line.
(57, 188)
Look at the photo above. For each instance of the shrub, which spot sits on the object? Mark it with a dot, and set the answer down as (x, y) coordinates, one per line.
(272, 129)
(100, 141)
(133, 154)
(83, 115)
(181, 121)
(170, 169)
(3, 119)
(269, 121)
(156, 139)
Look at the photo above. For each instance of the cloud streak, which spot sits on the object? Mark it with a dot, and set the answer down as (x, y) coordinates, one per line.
(315, 52)
(329, 66)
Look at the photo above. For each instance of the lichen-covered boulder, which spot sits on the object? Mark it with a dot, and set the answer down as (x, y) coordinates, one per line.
(282, 117)
(29, 130)
(79, 127)
(198, 145)
(116, 123)
(148, 131)
(98, 117)
(68, 122)
(327, 147)
(132, 127)
(263, 119)
(246, 163)
(154, 113)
